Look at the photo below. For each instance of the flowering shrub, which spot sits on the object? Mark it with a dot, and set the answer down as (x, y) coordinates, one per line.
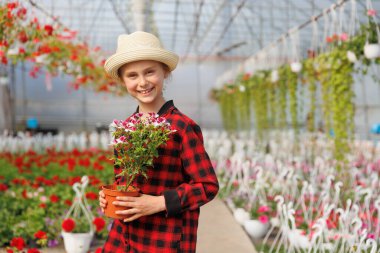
(36, 189)
(136, 141)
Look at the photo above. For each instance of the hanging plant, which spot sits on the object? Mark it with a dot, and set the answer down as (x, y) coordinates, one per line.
(310, 76)
(228, 107)
(282, 98)
(272, 103)
(243, 102)
(259, 96)
(53, 47)
(323, 66)
(292, 84)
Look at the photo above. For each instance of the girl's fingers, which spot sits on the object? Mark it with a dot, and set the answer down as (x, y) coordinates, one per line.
(133, 217)
(123, 203)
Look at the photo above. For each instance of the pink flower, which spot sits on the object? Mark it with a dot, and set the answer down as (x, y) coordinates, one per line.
(263, 209)
(371, 236)
(344, 37)
(371, 12)
(264, 219)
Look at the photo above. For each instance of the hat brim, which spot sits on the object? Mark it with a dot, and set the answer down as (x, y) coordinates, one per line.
(115, 61)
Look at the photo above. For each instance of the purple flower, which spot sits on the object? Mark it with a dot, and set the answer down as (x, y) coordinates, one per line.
(53, 243)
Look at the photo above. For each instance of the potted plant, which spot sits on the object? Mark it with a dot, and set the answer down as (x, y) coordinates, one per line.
(77, 235)
(78, 224)
(135, 142)
(372, 45)
(259, 223)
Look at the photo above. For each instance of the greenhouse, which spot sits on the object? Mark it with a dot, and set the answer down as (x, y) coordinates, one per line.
(190, 126)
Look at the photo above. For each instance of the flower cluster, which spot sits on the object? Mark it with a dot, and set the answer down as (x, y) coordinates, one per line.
(136, 141)
(70, 225)
(24, 38)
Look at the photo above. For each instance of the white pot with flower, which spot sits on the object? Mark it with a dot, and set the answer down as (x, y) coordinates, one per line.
(259, 225)
(372, 45)
(79, 225)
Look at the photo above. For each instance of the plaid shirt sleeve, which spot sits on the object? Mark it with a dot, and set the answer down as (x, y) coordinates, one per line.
(201, 185)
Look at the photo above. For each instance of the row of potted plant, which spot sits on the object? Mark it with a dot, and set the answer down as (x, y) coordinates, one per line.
(289, 202)
(52, 47)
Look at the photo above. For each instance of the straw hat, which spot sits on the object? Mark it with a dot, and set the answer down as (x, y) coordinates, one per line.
(138, 46)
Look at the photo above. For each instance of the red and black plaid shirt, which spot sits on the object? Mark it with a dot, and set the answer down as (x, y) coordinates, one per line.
(184, 175)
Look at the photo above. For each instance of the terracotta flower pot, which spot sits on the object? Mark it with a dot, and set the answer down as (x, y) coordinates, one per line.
(111, 193)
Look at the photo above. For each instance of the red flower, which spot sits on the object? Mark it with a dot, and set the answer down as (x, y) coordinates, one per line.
(84, 162)
(68, 202)
(54, 198)
(99, 250)
(92, 195)
(40, 235)
(22, 37)
(68, 225)
(24, 194)
(3, 187)
(49, 29)
(12, 6)
(21, 13)
(42, 205)
(18, 243)
(99, 223)
(9, 251)
(33, 251)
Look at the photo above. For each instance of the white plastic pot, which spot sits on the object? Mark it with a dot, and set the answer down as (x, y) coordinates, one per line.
(77, 242)
(351, 56)
(241, 215)
(274, 76)
(372, 51)
(296, 66)
(256, 229)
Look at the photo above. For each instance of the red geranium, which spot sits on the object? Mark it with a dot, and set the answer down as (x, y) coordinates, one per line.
(33, 251)
(99, 250)
(91, 195)
(18, 243)
(99, 223)
(3, 187)
(54, 198)
(68, 225)
(40, 235)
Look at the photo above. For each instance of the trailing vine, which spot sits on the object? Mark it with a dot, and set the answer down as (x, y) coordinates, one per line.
(243, 103)
(272, 103)
(323, 65)
(228, 107)
(281, 97)
(292, 82)
(310, 76)
(260, 102)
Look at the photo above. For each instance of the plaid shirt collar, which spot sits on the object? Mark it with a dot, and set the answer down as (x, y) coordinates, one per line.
(164, 109)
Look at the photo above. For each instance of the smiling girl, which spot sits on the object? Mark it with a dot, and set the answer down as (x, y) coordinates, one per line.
(164, 218)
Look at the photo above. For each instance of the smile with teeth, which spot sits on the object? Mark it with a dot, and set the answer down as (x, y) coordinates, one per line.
(145, 91)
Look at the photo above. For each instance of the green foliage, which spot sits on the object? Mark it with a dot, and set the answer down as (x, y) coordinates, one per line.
(138, 139)
(310, 76)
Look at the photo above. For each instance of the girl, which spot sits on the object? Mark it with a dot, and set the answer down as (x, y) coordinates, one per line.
(164, 218)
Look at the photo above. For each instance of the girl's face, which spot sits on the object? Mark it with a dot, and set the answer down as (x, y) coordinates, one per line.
(144, 81)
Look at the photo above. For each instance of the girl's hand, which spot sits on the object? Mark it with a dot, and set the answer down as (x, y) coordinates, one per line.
(140, 206)
(102, 200)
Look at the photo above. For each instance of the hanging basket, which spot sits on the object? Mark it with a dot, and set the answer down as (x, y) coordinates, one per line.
(79, 242)
(372, 50)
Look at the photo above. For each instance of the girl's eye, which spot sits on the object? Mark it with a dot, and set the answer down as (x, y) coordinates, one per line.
(131, 76)
(150, 72)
